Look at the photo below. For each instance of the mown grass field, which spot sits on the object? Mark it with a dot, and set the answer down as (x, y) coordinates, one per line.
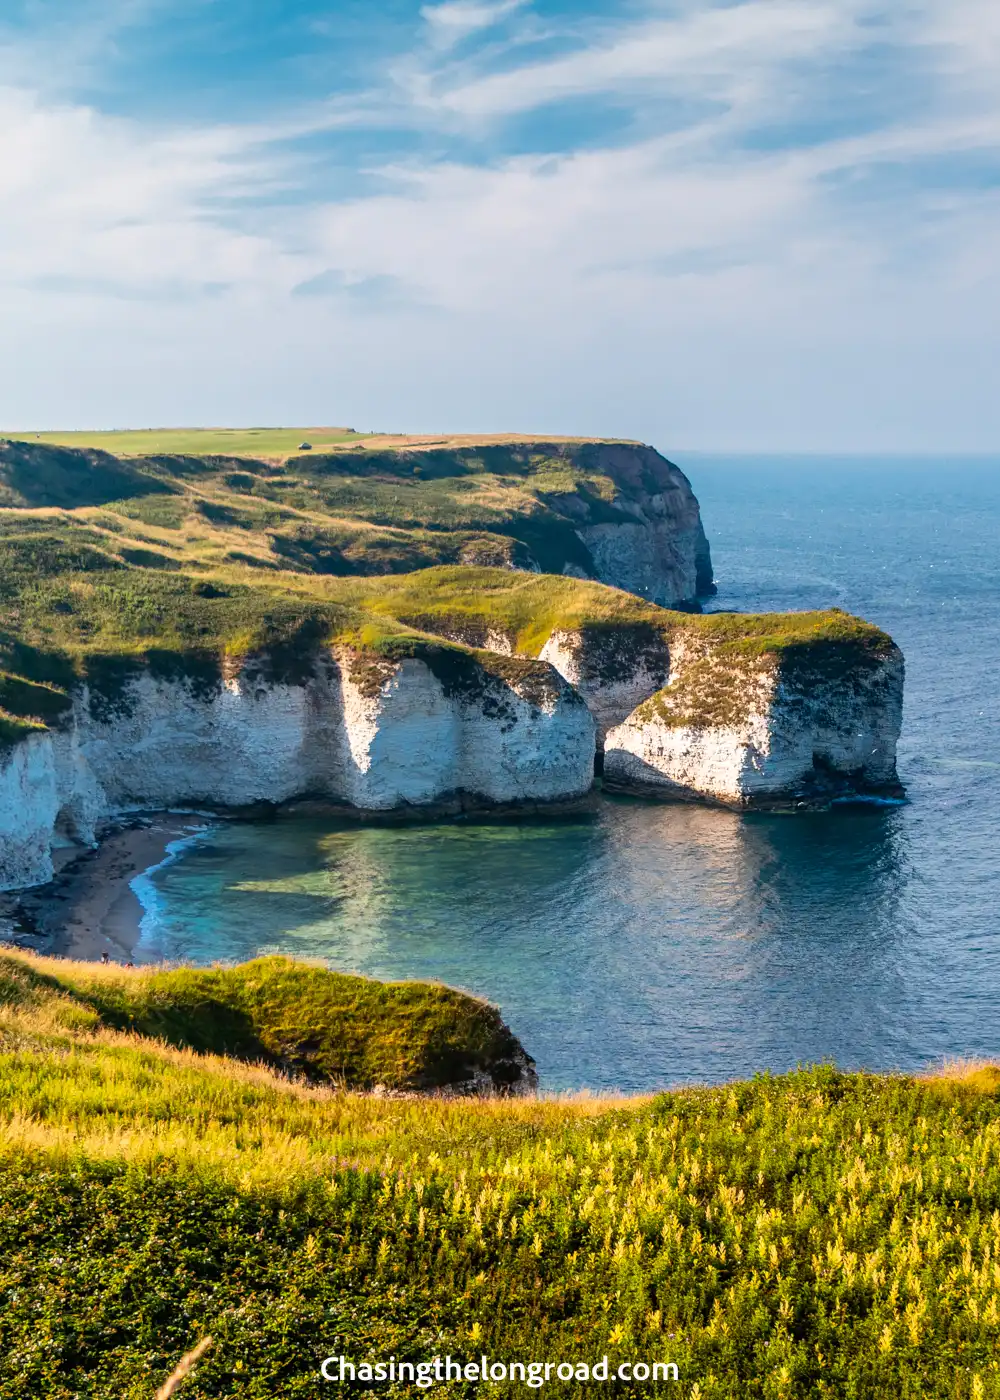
(268, 443)
(235, 442)
(815, 1234)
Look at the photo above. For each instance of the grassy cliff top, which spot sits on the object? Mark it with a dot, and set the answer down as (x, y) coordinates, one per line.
(86, 602)
(719, 684)
(269, 444)
(190, 563)
(365, 506)
(82, 597)
(813, 1234)
(228, 442)
(528, 608)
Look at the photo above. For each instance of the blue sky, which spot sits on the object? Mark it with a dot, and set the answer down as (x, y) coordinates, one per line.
(769, 224)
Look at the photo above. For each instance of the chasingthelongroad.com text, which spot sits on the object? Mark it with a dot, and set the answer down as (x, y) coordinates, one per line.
(439, 1370)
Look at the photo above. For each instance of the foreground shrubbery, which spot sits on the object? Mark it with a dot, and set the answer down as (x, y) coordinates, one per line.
(816, 1234)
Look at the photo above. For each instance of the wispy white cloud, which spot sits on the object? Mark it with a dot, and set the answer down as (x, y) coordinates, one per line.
(719, 53)
(72, 45)
(454, 20)
(669, 249)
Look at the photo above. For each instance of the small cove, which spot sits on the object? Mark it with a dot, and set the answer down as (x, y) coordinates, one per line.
(646, 945)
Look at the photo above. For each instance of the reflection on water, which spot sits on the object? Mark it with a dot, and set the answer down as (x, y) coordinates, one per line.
(647, 944)
(643, 946)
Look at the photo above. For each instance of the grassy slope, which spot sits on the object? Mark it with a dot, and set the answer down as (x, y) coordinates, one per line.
(79, 597)
(527, 608)
(321, 1025)
(817, 1234)
(370, 508)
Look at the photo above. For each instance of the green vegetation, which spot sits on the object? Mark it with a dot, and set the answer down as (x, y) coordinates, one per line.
(816, 1234)
(523, 608)
(13, 729)
(733, 654)
(68, 479)
(26, 708)
(230, 442)
(43, 703)
(87, 593)
(182, 1151)
(776, 634)
(186, 564)
(357, 507)
(322, 1026)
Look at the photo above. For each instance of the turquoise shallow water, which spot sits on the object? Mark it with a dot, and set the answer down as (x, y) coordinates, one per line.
(654, 944)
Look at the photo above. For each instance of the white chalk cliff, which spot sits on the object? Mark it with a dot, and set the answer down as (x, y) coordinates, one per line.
(372, 733)
(684, 719)
(614, 668)
(671, 712)
(756, 732)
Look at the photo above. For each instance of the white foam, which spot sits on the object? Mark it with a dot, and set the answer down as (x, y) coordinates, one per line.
(143, 886)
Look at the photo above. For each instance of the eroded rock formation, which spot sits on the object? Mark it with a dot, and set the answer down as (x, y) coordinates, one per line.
(615, 668)
(792, 711)
(799, 729)
(372, 733)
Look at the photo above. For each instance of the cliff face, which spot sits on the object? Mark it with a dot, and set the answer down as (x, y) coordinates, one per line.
(616, 512)
(28, 810)
(614, 668)
(765, 732)
(119, 686)
(661, 552)
(757, 725)
(375, 734)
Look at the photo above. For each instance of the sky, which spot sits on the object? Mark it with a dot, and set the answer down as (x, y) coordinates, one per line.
(768, 225)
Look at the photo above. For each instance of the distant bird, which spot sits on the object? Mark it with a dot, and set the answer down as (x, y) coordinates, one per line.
(305, 446)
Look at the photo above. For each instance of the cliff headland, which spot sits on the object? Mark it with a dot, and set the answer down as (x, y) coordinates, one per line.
(434, 626)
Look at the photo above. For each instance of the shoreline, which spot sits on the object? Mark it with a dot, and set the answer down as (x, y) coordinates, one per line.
(90, 908)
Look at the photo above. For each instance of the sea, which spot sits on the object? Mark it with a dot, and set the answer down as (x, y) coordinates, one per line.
(648, 945)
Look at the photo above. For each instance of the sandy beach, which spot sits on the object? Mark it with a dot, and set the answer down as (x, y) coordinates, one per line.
(90, 908)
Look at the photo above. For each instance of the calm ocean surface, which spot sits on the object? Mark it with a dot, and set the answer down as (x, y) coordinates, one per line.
(652, 945)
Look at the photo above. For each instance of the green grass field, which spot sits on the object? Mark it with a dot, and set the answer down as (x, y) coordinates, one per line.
(812, 1235)
(232, 442)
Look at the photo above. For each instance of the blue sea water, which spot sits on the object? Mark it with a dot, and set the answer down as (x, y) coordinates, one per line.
(652, 945)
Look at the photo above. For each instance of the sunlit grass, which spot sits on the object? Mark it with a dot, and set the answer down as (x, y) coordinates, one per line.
(815, 1234)
(323, 1026)
(235, 442)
